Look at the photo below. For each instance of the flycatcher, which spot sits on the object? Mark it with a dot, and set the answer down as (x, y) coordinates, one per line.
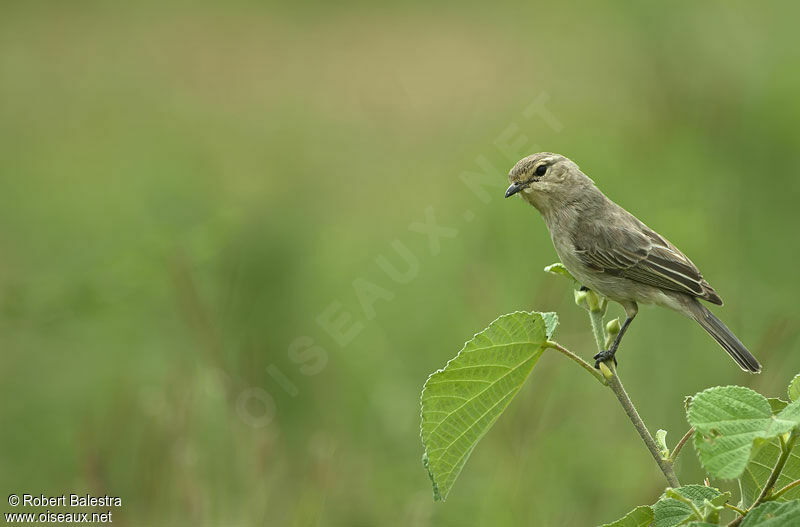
(611, 252)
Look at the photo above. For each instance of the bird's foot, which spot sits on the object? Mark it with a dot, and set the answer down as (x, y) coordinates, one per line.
(584, 288)
(604, 356)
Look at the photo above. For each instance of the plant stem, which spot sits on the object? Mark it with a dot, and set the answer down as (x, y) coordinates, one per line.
(619, 390)
(582, 363)
(786, 450)
(737, 521)
(596, 316)
(687, 501)
(610, 378)
(598, 328)
(785, 489)
(680, 444)
(735, 508)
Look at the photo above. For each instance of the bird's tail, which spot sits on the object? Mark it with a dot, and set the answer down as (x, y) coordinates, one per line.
(725, 337)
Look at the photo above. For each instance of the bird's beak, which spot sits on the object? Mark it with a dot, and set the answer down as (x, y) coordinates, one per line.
(513, 189)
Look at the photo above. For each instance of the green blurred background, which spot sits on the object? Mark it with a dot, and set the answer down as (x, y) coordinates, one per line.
(187, 188)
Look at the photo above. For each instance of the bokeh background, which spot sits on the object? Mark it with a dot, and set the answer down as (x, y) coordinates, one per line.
(188, 188)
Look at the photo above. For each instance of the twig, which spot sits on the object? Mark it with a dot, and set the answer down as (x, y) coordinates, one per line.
(736, 522)
(680, 444)
(785, 489)
(610, 378)
(735, 508)
(687, 501)
(619, 390)
(598, 328)
(597, 309)
(786, 450)
(582, 363)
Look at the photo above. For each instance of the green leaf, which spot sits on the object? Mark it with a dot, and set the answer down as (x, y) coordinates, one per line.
(728, 420)
(758, 470)
(760, 466)
(681, 505)
(559, 269)
(794, 388)
(776, 405)
(462, 401)
(774, 514)
(639, 517)
(669, 512)
(550, 322)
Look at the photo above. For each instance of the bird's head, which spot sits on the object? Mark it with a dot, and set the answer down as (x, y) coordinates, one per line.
(545, 179)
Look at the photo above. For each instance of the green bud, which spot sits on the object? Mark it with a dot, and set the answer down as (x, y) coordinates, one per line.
(594, 300)
(582, 299)
(661, 441)
(612, 329)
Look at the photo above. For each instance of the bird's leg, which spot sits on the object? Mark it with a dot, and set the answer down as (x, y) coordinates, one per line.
(630, 312)
(611, 352)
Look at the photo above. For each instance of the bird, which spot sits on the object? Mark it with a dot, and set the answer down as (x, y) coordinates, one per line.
(610, 251)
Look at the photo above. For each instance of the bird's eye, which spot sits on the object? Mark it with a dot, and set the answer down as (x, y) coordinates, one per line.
(540, 170)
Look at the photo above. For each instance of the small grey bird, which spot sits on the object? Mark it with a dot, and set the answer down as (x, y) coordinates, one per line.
(613, 253)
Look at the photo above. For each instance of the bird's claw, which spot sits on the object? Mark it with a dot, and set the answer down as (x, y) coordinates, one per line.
(604, 356)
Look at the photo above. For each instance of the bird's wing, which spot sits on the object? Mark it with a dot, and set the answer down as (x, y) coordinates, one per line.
(639, 253)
